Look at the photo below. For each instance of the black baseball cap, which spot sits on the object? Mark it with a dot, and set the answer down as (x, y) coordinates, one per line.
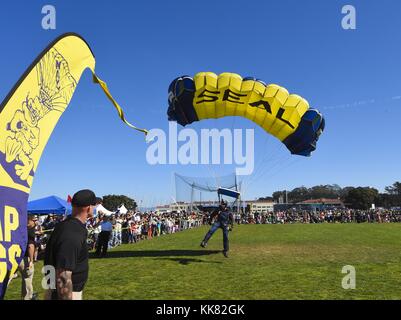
(83, 198)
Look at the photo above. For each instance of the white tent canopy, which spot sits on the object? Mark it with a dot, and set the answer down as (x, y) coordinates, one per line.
(122, 209)
(103, 210)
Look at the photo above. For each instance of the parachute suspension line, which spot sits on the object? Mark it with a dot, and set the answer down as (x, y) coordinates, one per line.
(268, 157)
(238, 200)
(212, 173)
(120, 111)
(209, 165)
(263, 171)
(192, 197)
(284, 167)
(289, 164)
(258, 165)
(174, 187)
(236, 183)
(277, 163)
(233, 123)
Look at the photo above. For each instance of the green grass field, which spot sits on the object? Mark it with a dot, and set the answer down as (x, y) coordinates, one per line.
(266, 262)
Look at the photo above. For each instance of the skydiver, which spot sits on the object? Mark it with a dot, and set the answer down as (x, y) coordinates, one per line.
(225, 221)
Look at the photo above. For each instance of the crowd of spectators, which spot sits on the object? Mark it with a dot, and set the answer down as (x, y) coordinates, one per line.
(328, 216)
(131, 227)
(134, 227)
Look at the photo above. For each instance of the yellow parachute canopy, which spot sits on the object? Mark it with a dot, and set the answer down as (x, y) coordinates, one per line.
(285, 116)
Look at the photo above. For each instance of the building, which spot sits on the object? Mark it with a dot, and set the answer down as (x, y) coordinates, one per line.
(206, 205)
(324, 203)
(181, 206)
(311, 205)
(261, 206)
(163, 209)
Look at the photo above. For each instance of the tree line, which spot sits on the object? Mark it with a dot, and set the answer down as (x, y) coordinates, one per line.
(353, 197)
(113, 202)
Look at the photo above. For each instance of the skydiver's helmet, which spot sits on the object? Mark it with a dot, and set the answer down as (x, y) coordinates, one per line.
(223, 205)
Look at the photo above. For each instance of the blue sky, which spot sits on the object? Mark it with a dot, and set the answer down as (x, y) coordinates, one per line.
(352, 76)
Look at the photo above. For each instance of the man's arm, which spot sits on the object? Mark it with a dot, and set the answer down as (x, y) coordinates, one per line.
(31, 252)
(213, 215)
(64, 284)
(96, 224)
(231, 217)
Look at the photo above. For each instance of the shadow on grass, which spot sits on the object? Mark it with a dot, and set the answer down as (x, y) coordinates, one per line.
(187, 261)
(155, 253)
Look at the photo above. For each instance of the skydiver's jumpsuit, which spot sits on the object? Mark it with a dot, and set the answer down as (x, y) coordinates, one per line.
(223, 220)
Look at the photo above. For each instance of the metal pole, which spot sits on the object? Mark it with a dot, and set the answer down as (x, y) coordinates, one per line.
(192, 197)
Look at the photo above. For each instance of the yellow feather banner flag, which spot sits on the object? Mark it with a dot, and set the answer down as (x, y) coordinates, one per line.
(28, 116)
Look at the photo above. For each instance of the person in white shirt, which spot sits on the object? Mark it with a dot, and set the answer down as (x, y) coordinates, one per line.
(170, 225)
(139, 231)
(118, 228)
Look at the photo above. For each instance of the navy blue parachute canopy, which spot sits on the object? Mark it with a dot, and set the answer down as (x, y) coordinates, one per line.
(303, 140)
(180, 98)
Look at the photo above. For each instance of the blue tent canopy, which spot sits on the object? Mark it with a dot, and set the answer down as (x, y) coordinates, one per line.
(49, 205)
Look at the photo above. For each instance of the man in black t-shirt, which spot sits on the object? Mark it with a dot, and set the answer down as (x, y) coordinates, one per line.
(67, 249)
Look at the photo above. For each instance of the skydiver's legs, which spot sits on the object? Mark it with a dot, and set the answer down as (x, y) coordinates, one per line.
(208, 235)
(225, 239)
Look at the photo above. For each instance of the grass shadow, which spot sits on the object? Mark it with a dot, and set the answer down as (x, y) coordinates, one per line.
(187, 261)
(155, 253)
